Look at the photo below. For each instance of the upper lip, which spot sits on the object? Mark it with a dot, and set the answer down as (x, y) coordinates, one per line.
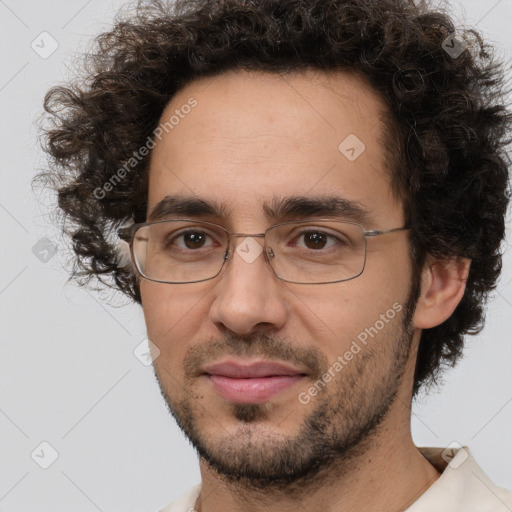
(246, 370)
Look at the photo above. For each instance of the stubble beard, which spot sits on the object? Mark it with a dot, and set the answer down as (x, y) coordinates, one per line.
(341, 426)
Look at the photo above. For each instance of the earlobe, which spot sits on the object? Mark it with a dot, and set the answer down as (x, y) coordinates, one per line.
(443, 283)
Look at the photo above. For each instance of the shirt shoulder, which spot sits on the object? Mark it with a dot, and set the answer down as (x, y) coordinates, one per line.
(186, 502)
(462, 486)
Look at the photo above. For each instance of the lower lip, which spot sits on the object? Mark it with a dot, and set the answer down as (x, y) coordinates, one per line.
(253, 390)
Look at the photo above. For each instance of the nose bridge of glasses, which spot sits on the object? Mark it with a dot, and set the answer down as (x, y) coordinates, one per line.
(244, 235)
(233, 235)
(247, 253)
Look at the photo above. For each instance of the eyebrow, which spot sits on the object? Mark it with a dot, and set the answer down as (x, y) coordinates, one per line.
(279, 208)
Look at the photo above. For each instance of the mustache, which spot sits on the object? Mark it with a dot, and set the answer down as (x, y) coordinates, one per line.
(255, 345)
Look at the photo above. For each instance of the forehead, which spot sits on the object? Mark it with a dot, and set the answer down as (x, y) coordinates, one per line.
(251, 135)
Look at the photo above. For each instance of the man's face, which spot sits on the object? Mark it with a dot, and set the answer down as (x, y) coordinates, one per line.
(252, 139)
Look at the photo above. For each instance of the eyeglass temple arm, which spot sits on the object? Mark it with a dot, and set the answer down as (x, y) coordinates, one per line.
(378, 232)
(125, 234)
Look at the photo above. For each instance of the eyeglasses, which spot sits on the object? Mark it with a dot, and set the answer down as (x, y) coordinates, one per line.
(304, 252)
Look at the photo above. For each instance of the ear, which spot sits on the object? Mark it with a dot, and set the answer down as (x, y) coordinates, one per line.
(442, 286)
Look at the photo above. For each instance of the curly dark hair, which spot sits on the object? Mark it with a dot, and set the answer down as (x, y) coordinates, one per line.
(447, 138)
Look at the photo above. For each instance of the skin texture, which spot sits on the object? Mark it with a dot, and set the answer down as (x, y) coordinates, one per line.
(251, 137)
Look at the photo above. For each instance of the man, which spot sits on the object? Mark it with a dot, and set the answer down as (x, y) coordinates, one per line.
(313, 194)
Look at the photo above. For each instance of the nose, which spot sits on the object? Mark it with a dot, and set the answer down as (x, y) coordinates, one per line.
(248, 295)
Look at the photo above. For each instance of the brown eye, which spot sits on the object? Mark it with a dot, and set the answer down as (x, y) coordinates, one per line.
(188, 240)
(194, 239)
(315, 240)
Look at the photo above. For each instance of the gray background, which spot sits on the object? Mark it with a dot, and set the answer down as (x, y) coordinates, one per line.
(68, 373)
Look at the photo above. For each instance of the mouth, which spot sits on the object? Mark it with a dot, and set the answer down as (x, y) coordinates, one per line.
(252, 383)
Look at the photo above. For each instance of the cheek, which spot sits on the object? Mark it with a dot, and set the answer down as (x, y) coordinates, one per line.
(155, 305)
(337, 317)
(337, 314)
(173, 314)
